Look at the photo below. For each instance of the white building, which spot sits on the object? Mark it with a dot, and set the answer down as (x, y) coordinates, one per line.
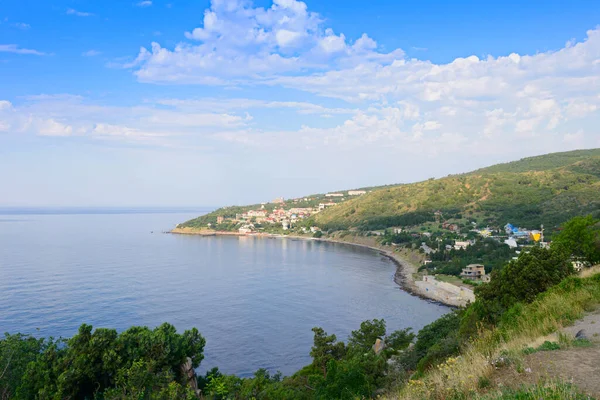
(323, 205)
(256, 213)
(461, 245)
(285, 225)
(334, 195)
(244, 229)
(356, 192)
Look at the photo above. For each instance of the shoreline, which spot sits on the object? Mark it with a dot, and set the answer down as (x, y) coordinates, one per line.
(429, 289)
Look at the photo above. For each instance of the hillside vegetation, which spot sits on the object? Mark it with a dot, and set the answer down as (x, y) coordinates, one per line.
(547, 189)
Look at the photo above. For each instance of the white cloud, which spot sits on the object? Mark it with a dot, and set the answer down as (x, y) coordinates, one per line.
(51, 127)
(331, 43)
(369, 100)
(286, 38)
(119, 131)
(72, 11)
(13, 48)
(576, 138)
(91, 53)
(72, 115)
(236, 104)
(394, 132)
(145, 3)
(240, 42)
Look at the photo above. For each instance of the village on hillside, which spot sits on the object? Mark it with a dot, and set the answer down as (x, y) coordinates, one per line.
(285, 213)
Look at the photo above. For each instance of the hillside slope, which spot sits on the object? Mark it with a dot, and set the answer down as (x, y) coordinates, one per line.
(546, 189)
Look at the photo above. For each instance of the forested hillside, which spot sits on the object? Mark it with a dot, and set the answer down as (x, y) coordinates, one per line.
(547, 189)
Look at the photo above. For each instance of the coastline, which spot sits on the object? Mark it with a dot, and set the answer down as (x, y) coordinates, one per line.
(428, 289)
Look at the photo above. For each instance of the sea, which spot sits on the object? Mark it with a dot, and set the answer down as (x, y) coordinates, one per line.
(255, 300)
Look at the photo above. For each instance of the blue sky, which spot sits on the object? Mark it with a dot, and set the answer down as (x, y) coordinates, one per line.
(170, 102)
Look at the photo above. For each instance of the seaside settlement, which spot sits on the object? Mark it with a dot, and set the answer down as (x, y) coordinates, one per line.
(279, 214)
(449, 252)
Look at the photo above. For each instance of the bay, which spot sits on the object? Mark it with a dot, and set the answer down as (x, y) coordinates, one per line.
(254, 299)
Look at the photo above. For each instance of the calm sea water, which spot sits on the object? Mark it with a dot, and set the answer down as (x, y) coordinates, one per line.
(254, 299)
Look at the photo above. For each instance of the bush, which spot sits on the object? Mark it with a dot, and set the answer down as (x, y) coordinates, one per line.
(519, 281)
(435, 342)
(138, 363)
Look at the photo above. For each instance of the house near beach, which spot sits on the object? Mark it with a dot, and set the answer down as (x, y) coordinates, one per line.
(245, 229)
(475, 272)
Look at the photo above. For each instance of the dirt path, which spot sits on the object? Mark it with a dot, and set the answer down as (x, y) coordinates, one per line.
(577, 365)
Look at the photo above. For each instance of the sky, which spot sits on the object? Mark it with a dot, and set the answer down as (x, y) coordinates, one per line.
(221, 102)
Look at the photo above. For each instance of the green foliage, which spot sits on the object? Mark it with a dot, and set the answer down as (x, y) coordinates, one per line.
(325, 348)
(398, 340)
(363, 339)
(318, 234)
(345, 380)
(386, 221)
(520, 280)
(549, 346)
(435, 342)
(16, 352)
(483, 382)
(337, 371)
(546, 346)
(580, 237)
(138, 363)
(489, 252)
(542, 190)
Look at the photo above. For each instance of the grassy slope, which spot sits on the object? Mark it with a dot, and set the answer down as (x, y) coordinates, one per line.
(546, 189)
(459, 377)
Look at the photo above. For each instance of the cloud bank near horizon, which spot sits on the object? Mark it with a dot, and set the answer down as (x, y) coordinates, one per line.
(358, 99)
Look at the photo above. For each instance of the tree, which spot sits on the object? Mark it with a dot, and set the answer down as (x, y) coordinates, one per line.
(520, 280)
(363, 339)
(580, 237)
(16, 352)
(398, 340)
(435, 342)
(325, 348)
(138, 363)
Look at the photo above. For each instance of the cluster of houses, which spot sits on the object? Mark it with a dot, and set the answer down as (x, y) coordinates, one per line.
(279, 216)
(515, 234)
(286, 217)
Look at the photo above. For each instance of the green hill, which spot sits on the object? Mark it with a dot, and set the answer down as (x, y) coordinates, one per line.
(547, 189)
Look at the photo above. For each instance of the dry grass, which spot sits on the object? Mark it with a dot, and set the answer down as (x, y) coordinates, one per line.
(523, 327)
(544, 390)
